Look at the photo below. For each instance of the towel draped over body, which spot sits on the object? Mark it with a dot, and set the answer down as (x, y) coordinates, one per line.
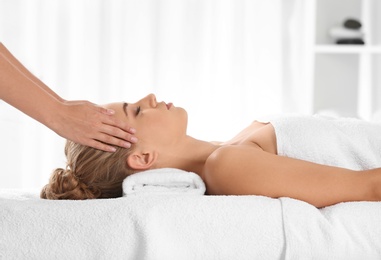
(336, 232)
(342, 142)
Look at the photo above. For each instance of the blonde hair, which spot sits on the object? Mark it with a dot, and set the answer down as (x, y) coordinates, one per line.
(90, 173)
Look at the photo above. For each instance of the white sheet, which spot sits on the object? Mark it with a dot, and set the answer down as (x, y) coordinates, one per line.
(186, 227)
(343, 231)
(141, 227)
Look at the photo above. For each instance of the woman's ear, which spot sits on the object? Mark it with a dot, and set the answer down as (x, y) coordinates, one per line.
(141, 160)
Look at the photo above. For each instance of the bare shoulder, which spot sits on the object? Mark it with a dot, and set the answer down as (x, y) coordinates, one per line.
(259, 133)
(224, 165)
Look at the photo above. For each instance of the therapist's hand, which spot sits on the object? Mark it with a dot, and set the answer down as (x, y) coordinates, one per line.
(88, 124)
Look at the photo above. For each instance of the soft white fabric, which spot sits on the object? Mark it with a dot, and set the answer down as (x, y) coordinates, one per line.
(163, 181)
(349, 231)
(346, 230)
(164, 227)
(342, 142)
(186, 227)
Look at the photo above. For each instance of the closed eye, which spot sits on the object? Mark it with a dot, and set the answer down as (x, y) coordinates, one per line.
(137, 111)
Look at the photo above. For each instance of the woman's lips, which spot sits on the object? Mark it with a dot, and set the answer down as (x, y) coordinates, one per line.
(169, 105)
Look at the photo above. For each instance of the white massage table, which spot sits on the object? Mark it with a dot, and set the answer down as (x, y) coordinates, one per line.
(185, 227)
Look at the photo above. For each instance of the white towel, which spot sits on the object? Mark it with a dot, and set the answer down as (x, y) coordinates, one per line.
(141, 227)
(164, 181)
(342, 142)
(347, 231)
(186, 228)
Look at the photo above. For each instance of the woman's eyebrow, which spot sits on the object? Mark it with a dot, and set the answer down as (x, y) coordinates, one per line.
(125, 108)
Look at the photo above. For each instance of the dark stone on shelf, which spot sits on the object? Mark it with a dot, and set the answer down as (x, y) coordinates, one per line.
(350, 41)
(352, 24)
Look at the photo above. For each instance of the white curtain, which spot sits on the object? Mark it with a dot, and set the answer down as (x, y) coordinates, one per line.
(226, 61)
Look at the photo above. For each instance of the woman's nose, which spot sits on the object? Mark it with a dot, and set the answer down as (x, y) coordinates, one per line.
(151, 98)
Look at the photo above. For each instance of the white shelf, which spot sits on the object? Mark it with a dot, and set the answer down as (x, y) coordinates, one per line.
(349, 49)
(346, 77)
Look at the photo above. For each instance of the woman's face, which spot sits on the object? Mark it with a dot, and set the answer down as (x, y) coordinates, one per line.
(155, 122)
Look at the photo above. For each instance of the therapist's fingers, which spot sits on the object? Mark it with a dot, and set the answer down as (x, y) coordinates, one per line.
(99, 145)
(114, 127)
(106, 111)
(115, 136)
(89, 124)
(104, 142)
(116, 122)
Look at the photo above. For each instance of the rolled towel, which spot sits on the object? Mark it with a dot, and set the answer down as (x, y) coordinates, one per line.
(164, 181)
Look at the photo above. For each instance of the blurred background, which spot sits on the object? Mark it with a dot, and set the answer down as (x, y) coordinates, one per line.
(227, 62)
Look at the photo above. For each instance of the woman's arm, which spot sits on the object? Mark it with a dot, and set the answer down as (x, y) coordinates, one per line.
(21, 92)
(245, 170)
(11, 59)
(79, 121)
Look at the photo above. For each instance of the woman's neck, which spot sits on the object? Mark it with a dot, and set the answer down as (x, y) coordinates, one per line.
(190, 155)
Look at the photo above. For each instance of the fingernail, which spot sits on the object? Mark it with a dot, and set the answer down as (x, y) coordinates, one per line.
(110, 111)
(112, 149)
(127, 145)
(133, 130)
(134, 139)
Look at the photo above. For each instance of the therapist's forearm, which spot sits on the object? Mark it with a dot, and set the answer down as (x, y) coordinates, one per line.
(17, 64)
(26, 95)
(80, 121)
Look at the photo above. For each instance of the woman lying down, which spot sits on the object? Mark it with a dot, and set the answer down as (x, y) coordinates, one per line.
(320, 161)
